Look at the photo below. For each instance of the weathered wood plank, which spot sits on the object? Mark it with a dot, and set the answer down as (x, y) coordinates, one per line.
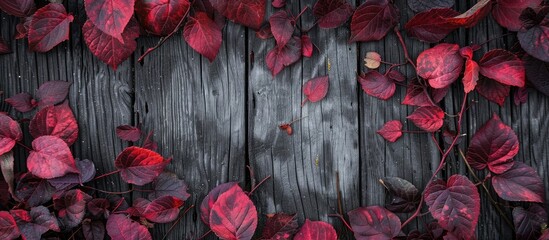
(197, 112)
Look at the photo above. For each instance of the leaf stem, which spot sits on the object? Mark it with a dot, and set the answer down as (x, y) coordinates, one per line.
(108, 192)
(436, 143)
(75, 232)
(343, 220)
(205, 235)
(258, 185)
(24, 146)
(106, 174)
(177, 221)
(401, 40)
(301, 13)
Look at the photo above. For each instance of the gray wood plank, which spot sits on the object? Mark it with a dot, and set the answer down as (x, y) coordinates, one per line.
(197, 112)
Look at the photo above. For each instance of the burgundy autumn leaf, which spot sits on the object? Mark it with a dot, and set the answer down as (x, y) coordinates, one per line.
(22, 28)
(161, 17)
(494, 145)
(93, 230)
(264, 32)
(52, 93)
(404, 195)
(395, 75)
(8, 227)
(537, 73)
(110, 49)
(56, 121)
(211, 198)
(233, 215)
(120, 226)
(470, 77)
(249, 13)
(307, 46)
(316, 89)
(50, 158)
(377, 85)
(278, 3)
(110, 16)
(282, 56)
(161, 210)
(282, 26)
(128, 133)
(391, 130)
(70, 180)
(140, 166)
(529, 222)
(22, 102)
(472, 16)
(280, 226)
(99, 207)
(372, 20)
(417, 95)
(18, 8)
(492, 90)
(49, 27)
(316, 230)
(71, 207)
(10, 133)
(440, 65)
(33, 191)
(4, 47)
(504, 67)
(507, 12)
(332, 13)
(431, 26)
(429, 119)
(534, 41)
(437, 94)
(520, 96)
(425, 5)
(455, 204)
(520, 183)
(203, 35)
(168, 184)
(374, 222)
(35, 223)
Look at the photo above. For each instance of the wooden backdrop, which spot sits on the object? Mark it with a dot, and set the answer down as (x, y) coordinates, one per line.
(216, 118)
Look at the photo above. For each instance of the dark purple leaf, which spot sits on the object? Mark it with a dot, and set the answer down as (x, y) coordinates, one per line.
(404, 195)
(520, 183)
(374, 222)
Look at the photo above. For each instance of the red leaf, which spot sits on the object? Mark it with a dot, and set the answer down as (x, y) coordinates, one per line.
(391, 131)
(52, 92)
(233, 215)
(307, 46)
(535, 42)
(107, 48)
(441, 65)
(203, 35)
(23, 27)
(425, 5)
(250, 13)
(71, 207)
(529, 222)
(504, 67)
(50, 158)
(278, 3)
(264, 32)
(282, 56)
(161, 210)
(282, 27)
(493, 91)
(473, 15)
(520, 96)
(35, 223)
(493, 145)
(429, 118)
(405, 196)
(8, 227)
(332, 13)
(4, 47)
(316, 89)
(455, 204)
(110, 16)
(33, 191)
(545, 235)
(431, 26)
(128, 133)
(93, 230)
(316, 230)
(140, 166)
(22, 102)
(121, 227)
(470, 77)
(377, 85)
(280, 226)
(416, 95)
(396, 76)
(98, 207)
(507, 12)
(167, 184)
(18, 8)
(374, 223)
(211, 198)
(56, 121)
(161, 17)
(49, 27)
(10, 133)
(372, 20)
(520, 183)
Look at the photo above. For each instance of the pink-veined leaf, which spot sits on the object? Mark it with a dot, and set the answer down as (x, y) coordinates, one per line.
(431, 26)
(316, 230)
(377, 85)
(472, 16)
(405, 196)
(203, 35)
(33, 191)
(374, 222)
(35, 223)
(168, 184)
(440, 65)
(373, 20)
(50, 158)
(470, 77)
(316, 89)
(425, 5)
(10, 133)
(49, 27)
(128, 133)
(211, 198)
(492, 90)
(8, 226)
(233, 215)
(332, 13)
(278, 3)
(455, 204)
(71, 207)
(529, 222)
(306, 46)
(391, 131)
(429, 118)
(504, 67)
(18, 8)
(507, 12)
(494, 145)
(520, 183)
(396, 76)
(280, 226)
(22, 102)
(249, 13)
(161, 210)
(70, 180)
(416, 95)
(282, 56)
(140, 166)
(282, 27)
(160, 17)
(110, 16)
(52, 92)
(56, 121)
(121, 227)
